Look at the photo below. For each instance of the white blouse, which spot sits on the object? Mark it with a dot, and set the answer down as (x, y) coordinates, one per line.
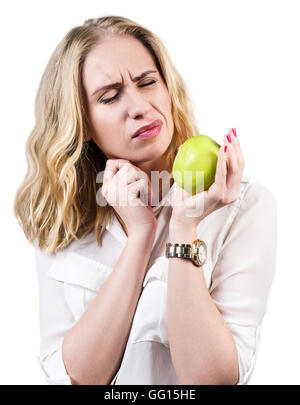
(241, 239)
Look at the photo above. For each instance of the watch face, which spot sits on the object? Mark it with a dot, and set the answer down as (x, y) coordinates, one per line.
(202, 252)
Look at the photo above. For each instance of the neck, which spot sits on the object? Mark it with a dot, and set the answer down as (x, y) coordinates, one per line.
(166, 179)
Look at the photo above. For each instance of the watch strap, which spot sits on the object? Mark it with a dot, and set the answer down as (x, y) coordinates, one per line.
(183, 250)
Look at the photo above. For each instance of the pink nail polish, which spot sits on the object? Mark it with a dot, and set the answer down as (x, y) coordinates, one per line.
(229, 138)
(234, 131)
(225, 149)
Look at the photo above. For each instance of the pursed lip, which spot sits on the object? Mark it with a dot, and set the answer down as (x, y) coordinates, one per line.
(153, 124)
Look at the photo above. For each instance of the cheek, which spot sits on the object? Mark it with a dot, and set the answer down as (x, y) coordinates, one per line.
(162, 102)
(166, 107)
(104, 121)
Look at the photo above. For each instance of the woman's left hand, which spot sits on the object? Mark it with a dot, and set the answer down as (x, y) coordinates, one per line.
(189, 210)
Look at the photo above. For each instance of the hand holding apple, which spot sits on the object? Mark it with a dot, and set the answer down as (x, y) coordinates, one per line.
(189, 210)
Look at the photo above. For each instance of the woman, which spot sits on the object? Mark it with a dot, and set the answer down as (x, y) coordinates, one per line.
(114, 309)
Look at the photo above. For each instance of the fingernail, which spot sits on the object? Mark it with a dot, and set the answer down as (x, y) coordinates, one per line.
(225, 149)
(229, 138)
(234, 131)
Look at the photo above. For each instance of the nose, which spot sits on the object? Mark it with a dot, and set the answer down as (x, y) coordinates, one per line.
(138, 105)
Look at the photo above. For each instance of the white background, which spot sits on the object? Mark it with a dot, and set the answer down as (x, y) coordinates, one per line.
(240, 61)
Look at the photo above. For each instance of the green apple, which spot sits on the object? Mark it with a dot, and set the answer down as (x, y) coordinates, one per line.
(194, 167)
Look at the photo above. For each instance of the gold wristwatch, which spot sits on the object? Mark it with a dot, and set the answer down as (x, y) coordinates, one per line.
(197, 251)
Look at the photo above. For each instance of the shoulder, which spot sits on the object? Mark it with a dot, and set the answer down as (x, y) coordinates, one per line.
(81, 247)
(78, 254)
(80, 264)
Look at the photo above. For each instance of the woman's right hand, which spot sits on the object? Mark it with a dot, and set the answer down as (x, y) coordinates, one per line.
(123, 186)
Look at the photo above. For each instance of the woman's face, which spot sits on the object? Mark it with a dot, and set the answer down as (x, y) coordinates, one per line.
(117, 113)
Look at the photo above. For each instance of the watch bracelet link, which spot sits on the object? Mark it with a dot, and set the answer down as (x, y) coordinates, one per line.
(181, 250)
(187, 251)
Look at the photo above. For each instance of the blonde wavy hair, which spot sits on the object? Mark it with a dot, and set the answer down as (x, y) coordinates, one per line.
(56, 201)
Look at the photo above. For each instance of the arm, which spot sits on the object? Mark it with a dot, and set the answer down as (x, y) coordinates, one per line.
(94, 347)
(239, 290)
(201, 344)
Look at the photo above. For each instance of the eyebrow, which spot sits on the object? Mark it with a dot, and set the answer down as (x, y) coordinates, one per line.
(118, 84)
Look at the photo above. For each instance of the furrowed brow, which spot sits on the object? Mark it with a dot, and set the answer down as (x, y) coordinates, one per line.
(117, 85)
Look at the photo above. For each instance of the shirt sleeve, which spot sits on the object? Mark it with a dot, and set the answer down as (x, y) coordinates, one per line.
(55, 320)
(244, 272)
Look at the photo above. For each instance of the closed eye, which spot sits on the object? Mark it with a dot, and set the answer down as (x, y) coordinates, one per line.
(148, 83)
(108, 100)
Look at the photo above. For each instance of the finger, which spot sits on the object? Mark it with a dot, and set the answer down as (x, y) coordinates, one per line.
(140, 174)
(111, 168)
(138, 192)
(231, 156)
(236, 143)
(135, 175)
(232, 142)
(114, 174)
(125, 176)
(238, 150)
(130, 174)
(234, 174)
(221, 169)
